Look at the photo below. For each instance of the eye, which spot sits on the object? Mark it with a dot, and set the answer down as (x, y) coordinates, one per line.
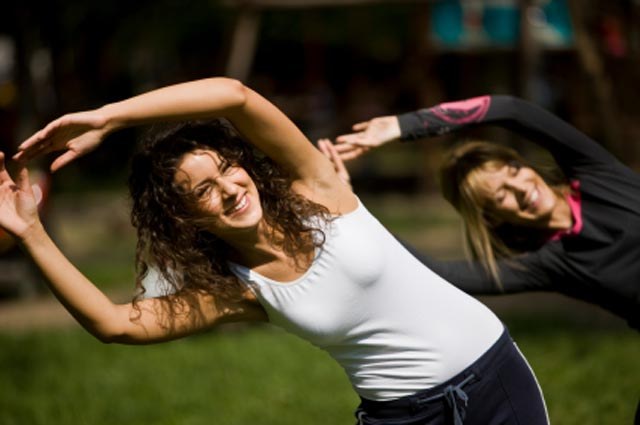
(228, 169)
(513, 169)
(203, 190)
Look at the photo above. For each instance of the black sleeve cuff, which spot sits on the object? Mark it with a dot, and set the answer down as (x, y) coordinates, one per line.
(411, 126)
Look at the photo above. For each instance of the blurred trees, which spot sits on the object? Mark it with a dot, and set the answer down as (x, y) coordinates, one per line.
(327, 67)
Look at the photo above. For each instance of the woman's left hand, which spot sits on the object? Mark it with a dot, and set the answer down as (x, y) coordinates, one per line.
(18, 202)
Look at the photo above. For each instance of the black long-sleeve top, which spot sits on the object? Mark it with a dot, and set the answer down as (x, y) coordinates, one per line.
(600, 264)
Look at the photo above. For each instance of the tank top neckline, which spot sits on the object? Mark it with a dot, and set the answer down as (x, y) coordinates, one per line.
(244, 270)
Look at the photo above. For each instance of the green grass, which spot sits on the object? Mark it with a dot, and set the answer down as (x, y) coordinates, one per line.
(588, 375)
(264, 376)
(254, 376)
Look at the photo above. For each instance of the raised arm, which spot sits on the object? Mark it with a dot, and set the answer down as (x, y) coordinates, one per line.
(569, 146)
(107, 321)
(257, 119)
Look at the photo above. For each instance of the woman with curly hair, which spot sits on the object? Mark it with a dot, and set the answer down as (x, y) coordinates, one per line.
(269, 232)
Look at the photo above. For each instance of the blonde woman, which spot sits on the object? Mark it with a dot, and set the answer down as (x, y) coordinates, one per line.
(578, 235)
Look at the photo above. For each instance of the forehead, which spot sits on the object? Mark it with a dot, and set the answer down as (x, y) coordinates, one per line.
(196, 165)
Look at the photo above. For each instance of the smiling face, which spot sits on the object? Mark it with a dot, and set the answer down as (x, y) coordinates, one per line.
(224, 193)
(514, 194)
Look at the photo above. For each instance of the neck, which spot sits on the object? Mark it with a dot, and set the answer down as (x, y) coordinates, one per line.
(253, 247)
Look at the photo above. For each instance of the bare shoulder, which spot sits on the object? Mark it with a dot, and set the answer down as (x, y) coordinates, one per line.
(328, 190)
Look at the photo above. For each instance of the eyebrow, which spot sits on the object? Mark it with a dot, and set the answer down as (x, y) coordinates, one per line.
(202, 183)
(218, 161)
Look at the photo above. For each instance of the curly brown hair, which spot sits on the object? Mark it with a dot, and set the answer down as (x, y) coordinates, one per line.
(170, 237)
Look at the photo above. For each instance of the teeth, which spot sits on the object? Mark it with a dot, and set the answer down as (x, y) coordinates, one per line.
(239, 205)
(534, 197)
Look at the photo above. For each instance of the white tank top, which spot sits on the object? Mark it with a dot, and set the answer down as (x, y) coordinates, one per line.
(391, 323)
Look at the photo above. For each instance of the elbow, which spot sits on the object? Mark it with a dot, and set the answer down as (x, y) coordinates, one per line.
(508, 102)
(234, 90)
(108, 333)
(505, 100)
(106, 336)
(105, 339)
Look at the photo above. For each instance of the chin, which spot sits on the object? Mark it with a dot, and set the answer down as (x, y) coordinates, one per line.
(547, 205)
(250, 219)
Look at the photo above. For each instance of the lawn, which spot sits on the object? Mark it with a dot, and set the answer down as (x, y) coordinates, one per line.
(260, 375)
(589, 369)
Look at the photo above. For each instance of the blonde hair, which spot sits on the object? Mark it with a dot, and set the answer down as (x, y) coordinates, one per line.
(487, 240)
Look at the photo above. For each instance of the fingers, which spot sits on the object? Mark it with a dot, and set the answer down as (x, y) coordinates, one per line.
(335, 158)
(328, 149)
(4, 175)
(32, 152)
(325, 147)
(22, 180)
(347, 147)
(348, 151)
(41, 142)
(322, 145)
(356, 137)
(36, 145)
(35, 138)
(348, 156)
(63, 160)
(361, 126)
(362, 138)
(344, 150)
(348, 138)
(40, 136)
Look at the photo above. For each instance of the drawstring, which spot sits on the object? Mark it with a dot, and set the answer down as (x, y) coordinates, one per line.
(452, 394)
(455, 397)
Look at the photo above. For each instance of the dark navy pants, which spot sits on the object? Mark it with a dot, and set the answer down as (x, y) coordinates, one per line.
(498, 388)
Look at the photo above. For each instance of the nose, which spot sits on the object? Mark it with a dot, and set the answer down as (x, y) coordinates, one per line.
(228, 189)
(518, 188)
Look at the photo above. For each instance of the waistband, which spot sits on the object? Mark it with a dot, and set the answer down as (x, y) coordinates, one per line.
(450, 390)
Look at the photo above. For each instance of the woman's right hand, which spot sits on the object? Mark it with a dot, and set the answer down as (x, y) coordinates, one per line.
(329, 150)
(367, 135)
(76, 134)
(18, 202)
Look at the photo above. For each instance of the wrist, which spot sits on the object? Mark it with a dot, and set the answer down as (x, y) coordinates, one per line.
(408, 123)
(33, 234)
(113, 120)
